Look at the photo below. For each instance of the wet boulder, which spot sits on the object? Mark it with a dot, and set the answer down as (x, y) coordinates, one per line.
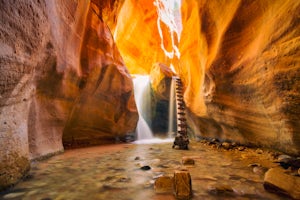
(277, 181)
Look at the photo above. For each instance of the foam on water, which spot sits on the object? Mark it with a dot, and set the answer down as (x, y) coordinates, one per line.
(154, 141)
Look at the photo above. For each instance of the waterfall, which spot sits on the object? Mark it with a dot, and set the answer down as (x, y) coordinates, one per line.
(143, 101)
(171, 109)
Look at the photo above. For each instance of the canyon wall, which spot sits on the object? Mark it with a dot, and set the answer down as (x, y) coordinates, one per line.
(239, 65)
(61, 77)
(251, 60)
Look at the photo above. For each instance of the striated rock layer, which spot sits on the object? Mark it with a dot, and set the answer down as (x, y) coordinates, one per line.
(61, 77)
(252, 73)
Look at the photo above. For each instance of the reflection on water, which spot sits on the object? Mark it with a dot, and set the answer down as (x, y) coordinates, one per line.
(114, 172)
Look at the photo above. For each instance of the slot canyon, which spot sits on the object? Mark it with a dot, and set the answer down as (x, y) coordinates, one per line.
(69, 111)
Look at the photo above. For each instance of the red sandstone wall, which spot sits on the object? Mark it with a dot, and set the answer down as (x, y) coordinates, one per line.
(61, 76)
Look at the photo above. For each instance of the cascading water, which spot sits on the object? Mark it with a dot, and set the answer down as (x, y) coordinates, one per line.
(142, 98)
(171, 109)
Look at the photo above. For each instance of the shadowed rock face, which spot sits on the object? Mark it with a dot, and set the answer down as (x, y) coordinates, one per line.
(61, 77)
(105, 107)
(160, 78)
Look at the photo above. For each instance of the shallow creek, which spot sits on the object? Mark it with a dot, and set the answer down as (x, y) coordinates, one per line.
(114, 172)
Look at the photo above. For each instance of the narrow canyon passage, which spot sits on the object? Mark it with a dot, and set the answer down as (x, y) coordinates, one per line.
(85, 85)
(116, 172)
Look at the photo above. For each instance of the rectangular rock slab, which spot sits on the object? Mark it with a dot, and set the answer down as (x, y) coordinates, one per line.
(276, 180)
(182, 185)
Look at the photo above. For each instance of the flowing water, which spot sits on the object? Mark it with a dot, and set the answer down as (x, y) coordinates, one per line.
(142, 97)
(114, 172)
(172, 109)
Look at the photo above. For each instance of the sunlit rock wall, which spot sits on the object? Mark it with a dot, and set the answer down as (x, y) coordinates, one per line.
(61, 74)
(252, 72)
(138, 40)
(239, 65)
(137, 37)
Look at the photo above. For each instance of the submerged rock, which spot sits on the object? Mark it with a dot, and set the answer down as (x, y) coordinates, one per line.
(219, 189)
(188, 161)
(145, 168)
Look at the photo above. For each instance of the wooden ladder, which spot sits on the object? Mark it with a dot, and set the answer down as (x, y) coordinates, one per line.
(181, 139)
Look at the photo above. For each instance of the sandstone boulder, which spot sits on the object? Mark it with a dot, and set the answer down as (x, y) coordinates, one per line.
(277, 181)
(182, 185)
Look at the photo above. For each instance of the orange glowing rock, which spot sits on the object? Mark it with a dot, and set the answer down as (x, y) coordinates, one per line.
(239, 65)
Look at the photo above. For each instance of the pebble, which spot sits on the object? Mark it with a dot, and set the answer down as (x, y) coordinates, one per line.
(259, 170)
(137, 158)
(241, 148)
(234, 144)
(188, 161)
(145, 168)
(259, 151)
(283, 158)
(148, 185)
(123, 179)
(214, 140)
(226, 145)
